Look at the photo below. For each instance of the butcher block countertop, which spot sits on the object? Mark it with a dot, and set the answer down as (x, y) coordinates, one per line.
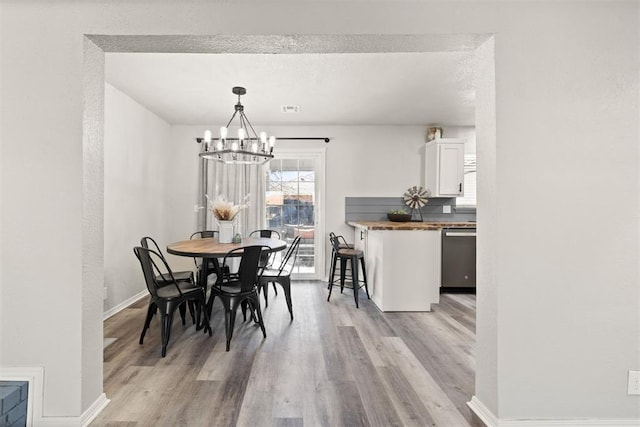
(426, 225)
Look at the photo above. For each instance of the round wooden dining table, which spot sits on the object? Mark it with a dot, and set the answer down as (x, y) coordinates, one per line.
(211, 248)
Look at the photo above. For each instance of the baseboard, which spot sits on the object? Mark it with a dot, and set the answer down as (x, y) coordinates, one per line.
(482, 412)
(124, 304)
(491, 420)
(92, 412)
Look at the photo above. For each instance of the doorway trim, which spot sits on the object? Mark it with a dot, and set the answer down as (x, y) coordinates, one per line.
(319, 155)
(93, 139)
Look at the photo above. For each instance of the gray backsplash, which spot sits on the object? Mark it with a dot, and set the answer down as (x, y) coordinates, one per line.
(376, 209)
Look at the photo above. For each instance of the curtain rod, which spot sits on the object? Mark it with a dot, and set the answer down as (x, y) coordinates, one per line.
(325, 139)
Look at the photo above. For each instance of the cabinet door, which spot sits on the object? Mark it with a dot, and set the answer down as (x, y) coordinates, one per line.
(451, 169)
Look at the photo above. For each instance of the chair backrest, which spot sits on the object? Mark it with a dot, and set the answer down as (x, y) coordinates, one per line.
(340, 241)
(248, 272)
(144, 242)
(335, 243)
(150, 261)
(203, 234)
(270, 234)
(289, 259)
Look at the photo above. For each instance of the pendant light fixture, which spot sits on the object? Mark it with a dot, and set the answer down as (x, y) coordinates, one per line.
(246, 148)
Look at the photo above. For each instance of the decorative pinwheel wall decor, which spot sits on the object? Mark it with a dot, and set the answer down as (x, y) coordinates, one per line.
(416, 197)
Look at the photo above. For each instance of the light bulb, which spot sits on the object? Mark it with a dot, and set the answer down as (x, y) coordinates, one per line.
(223, 132)
(263, 137)
(272, 141)
(254, 147)
(241, 133)
(207, 136)
(234, 146)
(219, 145)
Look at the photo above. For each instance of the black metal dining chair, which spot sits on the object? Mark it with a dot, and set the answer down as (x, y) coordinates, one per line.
(267, 258)
(163, 278)
(269, 234)
(281, 275)
(167, 295)
(241, 290)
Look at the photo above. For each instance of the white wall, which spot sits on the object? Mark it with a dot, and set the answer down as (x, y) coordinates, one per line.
(566, 284)
(135, 196)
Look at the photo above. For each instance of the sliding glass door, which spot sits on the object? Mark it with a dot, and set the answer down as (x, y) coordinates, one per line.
(294, 205)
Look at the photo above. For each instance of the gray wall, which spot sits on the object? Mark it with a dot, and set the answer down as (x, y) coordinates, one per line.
(376, 209)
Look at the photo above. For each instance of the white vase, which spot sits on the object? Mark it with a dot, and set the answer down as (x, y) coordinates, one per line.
(226, 231)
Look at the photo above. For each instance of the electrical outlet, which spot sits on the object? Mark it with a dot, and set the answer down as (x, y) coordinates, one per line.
(634, 382)
(446, 208)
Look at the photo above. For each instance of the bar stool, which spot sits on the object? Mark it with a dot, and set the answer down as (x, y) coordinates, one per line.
(344, 254)
(334, 257)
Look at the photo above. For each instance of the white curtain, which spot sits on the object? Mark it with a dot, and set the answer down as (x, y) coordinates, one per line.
(235, 183)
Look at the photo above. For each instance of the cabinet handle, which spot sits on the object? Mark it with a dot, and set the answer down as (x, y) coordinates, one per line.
(460, 188)
(361, 235)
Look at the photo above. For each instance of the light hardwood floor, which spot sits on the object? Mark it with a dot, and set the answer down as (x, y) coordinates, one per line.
(334, 365)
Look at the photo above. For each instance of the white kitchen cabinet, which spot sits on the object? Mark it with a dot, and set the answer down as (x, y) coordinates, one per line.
(403, 269)
(444, 167)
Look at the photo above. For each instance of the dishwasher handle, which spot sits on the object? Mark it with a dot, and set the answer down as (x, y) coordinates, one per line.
(459, 233)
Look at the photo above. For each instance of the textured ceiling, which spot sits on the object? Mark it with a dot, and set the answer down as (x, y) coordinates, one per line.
(330, 88)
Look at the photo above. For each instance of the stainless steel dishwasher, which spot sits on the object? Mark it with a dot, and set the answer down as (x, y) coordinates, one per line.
(458, 258)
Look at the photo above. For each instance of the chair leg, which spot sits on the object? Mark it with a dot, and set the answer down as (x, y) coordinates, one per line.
(192, 311)
(265, 288)
(198, 305)
(183, 312)
(332, 273)
(150, 312)
(229, 321)
(354, 278)
(209, 304)
(285, 282)
(275, 290)
(343, 272)
(364, 277)
(255, 302)
(167, 320)
(205, 318)
(332, 267)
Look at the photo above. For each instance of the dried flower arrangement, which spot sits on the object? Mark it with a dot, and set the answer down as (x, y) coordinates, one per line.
(224, 210)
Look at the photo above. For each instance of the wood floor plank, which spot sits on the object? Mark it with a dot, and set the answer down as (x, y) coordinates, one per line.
(380, 410)
(440, 407)
(406, 400)
(333, 365)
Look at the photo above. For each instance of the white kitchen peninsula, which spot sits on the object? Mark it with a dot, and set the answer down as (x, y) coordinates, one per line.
(402, 262)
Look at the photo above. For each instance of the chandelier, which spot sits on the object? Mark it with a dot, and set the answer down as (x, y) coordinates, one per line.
(246, 148)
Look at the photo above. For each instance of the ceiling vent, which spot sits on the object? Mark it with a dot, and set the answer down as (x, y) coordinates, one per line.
(290, 108)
